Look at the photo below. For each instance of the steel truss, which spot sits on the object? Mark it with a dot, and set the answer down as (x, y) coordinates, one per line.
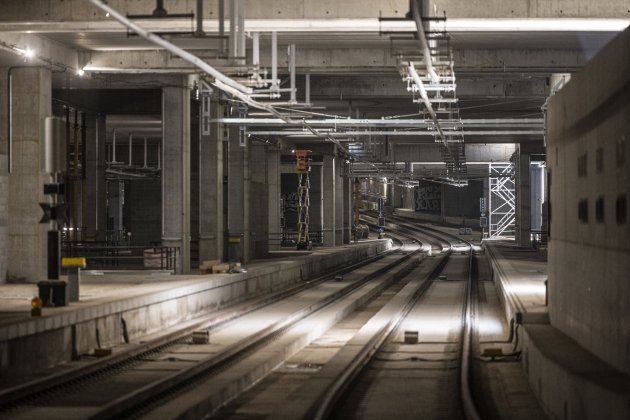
(502, 200)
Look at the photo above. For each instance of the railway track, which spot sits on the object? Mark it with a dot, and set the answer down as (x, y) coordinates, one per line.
(132, 383)
(363, 356)
(367, 305)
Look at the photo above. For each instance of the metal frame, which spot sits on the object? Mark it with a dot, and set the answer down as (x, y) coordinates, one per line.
(502, 200)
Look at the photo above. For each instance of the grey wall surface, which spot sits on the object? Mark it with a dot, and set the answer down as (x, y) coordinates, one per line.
(589, 260)
(464, 201)
(143, 210)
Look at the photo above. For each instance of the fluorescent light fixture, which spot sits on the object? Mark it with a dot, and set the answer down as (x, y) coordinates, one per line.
(534, 25)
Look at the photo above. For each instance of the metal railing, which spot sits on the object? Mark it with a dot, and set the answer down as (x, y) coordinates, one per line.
(288, 238)
(115, 256)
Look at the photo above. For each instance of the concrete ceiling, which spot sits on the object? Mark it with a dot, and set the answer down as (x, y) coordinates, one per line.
(503, 50)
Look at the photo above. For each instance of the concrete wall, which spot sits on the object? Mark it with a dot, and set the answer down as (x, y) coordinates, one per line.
(589, 261)
(143, 207)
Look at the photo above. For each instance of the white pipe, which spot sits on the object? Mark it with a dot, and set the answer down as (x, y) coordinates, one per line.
(255, 49)
(232, 40)
(425, 99)
(274, 60)
(292, 72)
(424, 46)
(170, 47)
(241, 29)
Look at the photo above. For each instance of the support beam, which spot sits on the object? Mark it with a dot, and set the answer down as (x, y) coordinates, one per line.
(176, 172)
(27, 243)
(211, 217)
(354, 60)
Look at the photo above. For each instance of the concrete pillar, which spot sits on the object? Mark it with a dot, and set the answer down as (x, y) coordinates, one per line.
(273, 192)
(339, 201)
(27, 238)
(176, 172)
(259, 201)
(348, 184)
(95, 177)
(523, 203)
(238, 197)
(211, 186)
(330, 196)
(4, 178)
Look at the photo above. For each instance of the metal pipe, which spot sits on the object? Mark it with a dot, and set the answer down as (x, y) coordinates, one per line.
(274, 60)
(170, 47)
(232, 41)
(114, 146)
(292, 72)
(130, 148)
(424, 46)
(222, 27)
(145, 153)
(159, 156)
(425, 99)
(241, 30)
(307, 88)
(255, 49)
(199, 31)
(10, 122)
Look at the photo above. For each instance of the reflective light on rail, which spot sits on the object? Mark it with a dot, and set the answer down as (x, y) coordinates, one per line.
(489, 326)
(527, 288)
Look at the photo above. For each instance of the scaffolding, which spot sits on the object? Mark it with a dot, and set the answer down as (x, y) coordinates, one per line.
(303, 240)
(502, 200)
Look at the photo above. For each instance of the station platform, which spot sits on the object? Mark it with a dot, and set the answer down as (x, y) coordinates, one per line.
(567, 380)
(117, 306)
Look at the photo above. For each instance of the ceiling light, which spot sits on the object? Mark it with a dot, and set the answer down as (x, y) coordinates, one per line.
(28, 53)
(80, 72)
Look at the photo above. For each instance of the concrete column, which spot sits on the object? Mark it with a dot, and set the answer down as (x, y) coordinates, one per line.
(176, 172)
(523, 203)
(211, 187)
(27, 239)
(95, 177)
(339, 201)
(273, 192)
(238, 197)
(259, 198)
(4, 178)
(330, 196)
(347, 209)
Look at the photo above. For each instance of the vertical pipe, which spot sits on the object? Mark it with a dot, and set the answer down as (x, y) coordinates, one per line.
(96, 189)
(241, 29)
(199, 30)
(292, 71)
(83, 181)
(255, 49)
(130, 148)
(274, 60)
(307, 88)
(76, 191)
(113, 147)
(232, 40)
(221, 27)
(159, 156)
(145, 153)
(10, 122)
